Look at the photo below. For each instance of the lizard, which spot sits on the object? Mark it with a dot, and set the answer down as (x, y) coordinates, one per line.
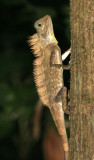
(48, 73)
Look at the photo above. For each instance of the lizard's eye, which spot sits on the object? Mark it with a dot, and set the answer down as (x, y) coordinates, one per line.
(39, 25)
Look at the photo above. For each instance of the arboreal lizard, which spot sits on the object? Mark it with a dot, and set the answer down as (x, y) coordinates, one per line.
(48, 73)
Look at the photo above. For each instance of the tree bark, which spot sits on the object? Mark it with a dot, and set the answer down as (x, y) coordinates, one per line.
(82, 80)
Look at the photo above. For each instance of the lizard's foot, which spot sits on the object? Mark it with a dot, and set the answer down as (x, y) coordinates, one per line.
(66, 67)
(71, 62)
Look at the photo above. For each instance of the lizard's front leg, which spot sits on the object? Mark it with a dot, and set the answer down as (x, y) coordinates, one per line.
(65, 67)
(64, 56)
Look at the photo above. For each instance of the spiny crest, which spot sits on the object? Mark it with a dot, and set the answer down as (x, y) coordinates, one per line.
(39, 69)
(35, 45)
(39, 78)
(38, 61)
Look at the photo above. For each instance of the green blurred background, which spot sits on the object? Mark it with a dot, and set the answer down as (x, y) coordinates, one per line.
(18, 95)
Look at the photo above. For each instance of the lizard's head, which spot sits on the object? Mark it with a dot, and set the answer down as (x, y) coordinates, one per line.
(44, 29)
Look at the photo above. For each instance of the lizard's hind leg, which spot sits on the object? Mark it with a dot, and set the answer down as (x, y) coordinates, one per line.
(62, 97)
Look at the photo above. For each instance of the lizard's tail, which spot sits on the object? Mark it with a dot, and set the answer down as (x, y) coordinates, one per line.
(58, 116)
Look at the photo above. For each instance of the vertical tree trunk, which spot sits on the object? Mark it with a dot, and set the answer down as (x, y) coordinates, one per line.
(82, 80)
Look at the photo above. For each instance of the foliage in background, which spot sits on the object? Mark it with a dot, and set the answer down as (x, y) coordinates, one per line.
(18, 95)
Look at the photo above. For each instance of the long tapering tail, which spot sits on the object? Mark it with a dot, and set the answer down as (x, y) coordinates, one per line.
(58, 117)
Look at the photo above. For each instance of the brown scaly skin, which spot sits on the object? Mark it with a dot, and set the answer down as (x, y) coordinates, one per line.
(48, 73)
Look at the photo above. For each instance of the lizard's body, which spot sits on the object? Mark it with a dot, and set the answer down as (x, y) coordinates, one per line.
(48, 76)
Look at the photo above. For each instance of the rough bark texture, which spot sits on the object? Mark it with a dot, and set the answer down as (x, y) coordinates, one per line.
(82, 80)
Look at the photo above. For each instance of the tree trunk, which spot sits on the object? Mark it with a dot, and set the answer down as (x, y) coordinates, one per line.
(82, 80)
